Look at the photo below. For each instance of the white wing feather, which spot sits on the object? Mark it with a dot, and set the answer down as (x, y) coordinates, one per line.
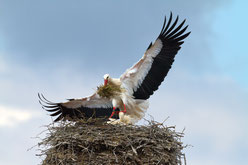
(93, 101)
(132, 78)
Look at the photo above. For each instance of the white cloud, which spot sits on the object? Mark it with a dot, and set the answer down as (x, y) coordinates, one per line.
(223, 129)
(212, 108)
(11, 116)
(209, 161)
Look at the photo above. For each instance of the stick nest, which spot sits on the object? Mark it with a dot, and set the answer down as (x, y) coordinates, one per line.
(108, 90)
(84, 142)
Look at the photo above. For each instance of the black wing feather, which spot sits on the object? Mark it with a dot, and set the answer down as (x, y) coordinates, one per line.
(171, 40)
(74, 113)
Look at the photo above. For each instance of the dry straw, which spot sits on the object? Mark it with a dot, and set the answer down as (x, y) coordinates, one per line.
(92, 142)
(109, 91)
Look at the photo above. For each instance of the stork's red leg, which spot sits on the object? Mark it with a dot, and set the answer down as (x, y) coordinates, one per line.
(125, 110)
(112, 113)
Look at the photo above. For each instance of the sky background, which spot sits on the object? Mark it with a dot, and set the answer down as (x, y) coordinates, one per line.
(63, 48)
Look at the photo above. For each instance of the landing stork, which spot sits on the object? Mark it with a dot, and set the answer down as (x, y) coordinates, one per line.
(137, 84)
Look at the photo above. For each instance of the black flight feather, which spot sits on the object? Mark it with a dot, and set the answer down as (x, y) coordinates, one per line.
(171, 38)
(74, 113)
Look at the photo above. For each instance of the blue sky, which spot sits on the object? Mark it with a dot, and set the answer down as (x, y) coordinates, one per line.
(231, 55)
(63, 48)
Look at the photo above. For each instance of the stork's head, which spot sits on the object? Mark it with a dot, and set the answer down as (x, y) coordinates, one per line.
(106, 78)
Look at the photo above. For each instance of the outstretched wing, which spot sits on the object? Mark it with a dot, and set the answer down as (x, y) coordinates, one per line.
(142, 79)
(92, 106)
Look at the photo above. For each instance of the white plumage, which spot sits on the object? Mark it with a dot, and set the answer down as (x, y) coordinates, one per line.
(138, 83)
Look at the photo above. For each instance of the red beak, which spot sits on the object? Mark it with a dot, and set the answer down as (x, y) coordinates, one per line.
(105, 82)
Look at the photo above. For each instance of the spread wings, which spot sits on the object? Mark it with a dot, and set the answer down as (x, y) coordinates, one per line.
(92, 106)
(142, 79)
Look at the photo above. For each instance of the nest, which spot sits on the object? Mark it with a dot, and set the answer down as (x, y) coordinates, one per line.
(108, 90)
(84, 142)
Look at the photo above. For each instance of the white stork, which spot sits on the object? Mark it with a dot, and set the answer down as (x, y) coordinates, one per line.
(139, 82)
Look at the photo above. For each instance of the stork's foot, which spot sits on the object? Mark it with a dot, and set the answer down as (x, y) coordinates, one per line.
(124, 120)
(115, 121)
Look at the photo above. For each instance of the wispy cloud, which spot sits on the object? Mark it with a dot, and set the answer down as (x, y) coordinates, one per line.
(11, 117)
(211, 108)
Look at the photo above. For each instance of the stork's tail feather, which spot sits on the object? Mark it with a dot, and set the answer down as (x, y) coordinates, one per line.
(141, 107)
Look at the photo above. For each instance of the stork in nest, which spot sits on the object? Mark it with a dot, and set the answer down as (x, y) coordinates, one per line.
(125, 99)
